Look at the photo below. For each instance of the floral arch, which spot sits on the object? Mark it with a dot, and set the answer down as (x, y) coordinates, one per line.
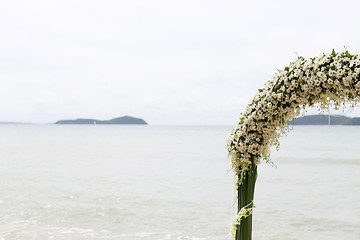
(330, 79)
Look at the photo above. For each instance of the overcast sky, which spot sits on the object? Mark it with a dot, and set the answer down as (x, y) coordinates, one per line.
(168, 62)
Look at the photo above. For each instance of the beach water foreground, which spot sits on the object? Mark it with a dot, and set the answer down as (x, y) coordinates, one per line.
(157, 182)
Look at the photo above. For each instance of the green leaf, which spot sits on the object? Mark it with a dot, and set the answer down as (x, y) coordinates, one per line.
(333, 53)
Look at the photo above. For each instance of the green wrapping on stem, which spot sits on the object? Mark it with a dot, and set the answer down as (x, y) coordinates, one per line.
(245, 197)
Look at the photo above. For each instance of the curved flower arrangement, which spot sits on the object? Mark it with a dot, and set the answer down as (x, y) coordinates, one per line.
(330, 79)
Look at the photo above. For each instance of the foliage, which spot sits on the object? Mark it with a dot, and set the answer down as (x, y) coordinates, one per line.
(330, 79)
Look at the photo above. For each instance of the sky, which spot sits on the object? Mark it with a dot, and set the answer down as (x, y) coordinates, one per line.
(169, 62)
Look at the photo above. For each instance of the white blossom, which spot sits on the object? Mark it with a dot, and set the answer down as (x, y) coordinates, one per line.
(331, 76)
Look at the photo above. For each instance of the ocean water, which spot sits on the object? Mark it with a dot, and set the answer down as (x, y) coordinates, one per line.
(172, 182)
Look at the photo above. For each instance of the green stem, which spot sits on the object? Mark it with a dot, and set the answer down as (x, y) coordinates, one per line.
(245, 197)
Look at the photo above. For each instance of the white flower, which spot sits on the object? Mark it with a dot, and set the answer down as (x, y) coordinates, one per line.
(264, 121)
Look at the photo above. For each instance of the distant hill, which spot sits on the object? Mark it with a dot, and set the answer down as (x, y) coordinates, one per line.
(14, 123)
(120, 120)
(324, 120)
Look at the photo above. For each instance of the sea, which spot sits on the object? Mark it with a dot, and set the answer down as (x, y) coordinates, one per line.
(138, 182)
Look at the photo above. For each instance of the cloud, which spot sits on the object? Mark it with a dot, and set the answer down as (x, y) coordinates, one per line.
(170, 62)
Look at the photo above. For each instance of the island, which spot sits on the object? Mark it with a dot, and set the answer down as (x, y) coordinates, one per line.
(119, 120)
(12, 123)
(324, 120)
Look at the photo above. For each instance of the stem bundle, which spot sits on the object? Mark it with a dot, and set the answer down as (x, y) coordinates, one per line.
(245, 198)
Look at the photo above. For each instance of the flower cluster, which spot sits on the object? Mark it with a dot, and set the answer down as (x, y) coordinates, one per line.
(243, 213)
(330, 79)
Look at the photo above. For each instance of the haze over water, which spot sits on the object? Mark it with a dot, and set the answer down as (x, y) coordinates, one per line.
(171, 182)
